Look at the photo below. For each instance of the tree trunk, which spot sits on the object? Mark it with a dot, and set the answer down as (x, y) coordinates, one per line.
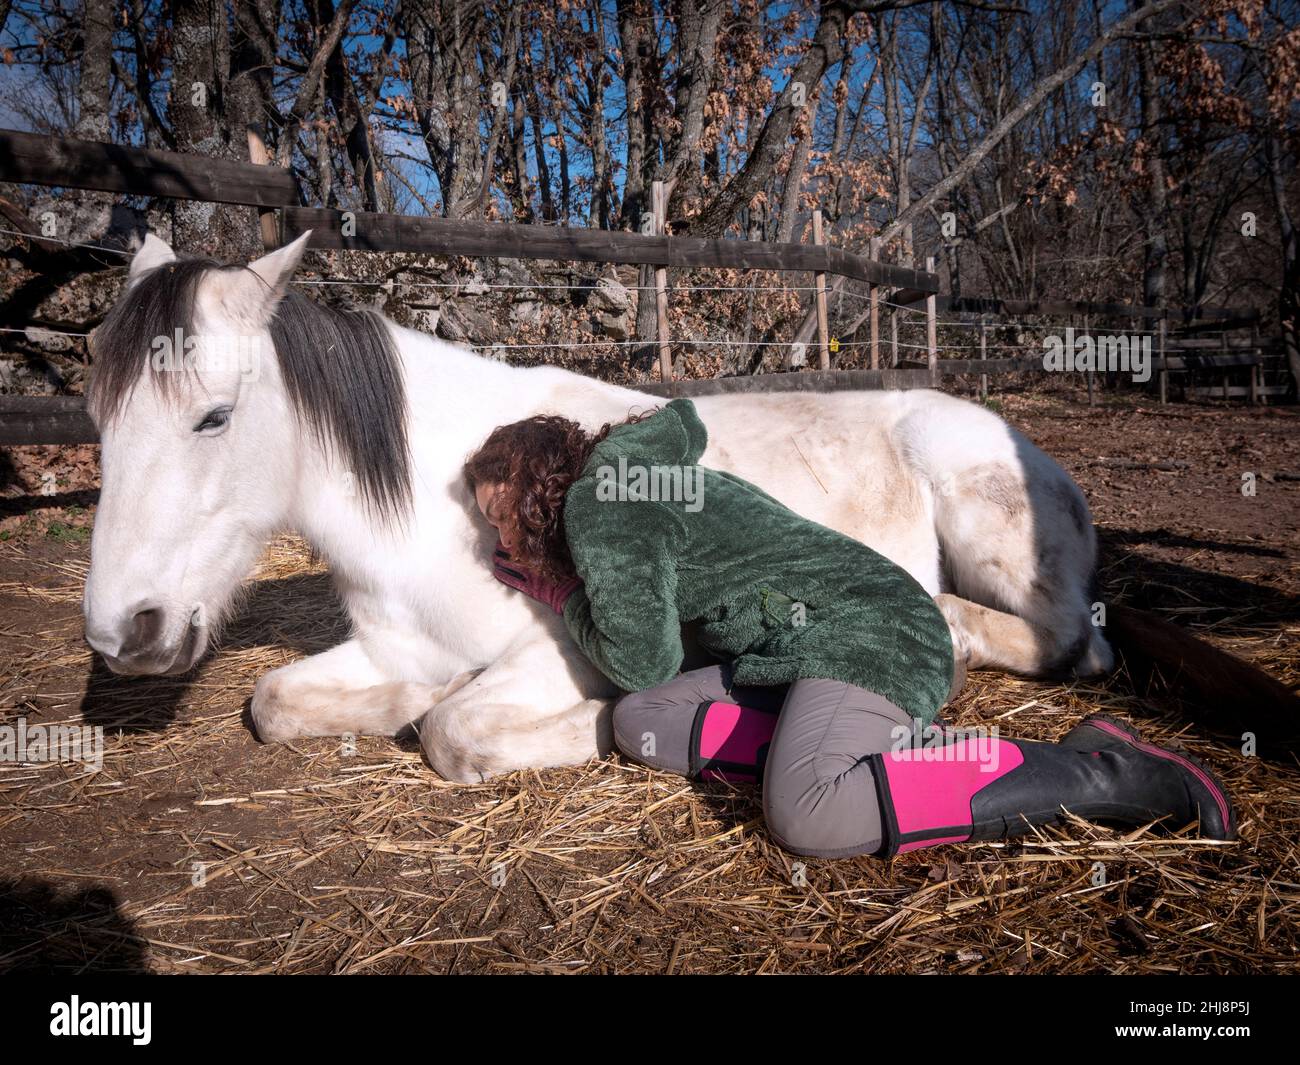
(793, 186)
(598, 210)
(96, 58)
(1153, 222)
(197, 110)
(773, 139)
(1289, 295)
(93, 92)
(632, 40)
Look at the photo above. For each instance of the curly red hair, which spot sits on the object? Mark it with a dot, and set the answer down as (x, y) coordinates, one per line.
(537, 459)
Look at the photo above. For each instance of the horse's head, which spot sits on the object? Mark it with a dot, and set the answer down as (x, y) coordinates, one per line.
(199, 450)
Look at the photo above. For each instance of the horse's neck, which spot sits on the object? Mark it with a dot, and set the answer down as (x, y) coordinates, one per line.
(454, 400)
(470, 395)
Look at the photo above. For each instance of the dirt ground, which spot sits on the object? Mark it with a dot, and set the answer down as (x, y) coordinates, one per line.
(196, 849)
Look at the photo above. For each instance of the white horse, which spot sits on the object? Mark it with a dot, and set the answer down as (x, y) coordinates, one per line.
(352, 432)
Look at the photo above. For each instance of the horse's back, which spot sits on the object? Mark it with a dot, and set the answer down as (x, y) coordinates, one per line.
(833, 458)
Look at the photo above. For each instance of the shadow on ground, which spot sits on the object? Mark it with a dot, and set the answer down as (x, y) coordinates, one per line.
(44, 929)
(300, 613)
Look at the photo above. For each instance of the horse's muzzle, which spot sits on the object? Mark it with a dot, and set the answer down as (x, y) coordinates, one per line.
(145, 644)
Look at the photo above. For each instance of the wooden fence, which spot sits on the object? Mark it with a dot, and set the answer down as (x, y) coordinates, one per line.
(64, 162)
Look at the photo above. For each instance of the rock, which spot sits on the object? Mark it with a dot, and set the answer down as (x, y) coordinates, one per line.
(525, 310)
(418, 285)
(449, 327)
(614, 326)
(613, 309)
(508, 272)
(467, 324)
(29, 376)
(425, 318)
(83, 300)
(609, 296)
(46, 340)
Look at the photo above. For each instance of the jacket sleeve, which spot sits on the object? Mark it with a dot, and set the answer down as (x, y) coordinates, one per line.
(624, 617)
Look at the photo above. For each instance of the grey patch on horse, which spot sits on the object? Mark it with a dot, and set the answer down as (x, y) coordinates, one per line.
(1072, 505)
(340, 370)
(1047, 571)
(1045, 586)
(1071, 655)
(998, 484)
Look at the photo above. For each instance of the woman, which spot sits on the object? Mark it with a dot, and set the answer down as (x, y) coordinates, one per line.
(831, 656)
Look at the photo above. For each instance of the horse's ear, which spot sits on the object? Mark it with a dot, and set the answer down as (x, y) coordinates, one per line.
(153, 252)
(250, 297)
(276, 269)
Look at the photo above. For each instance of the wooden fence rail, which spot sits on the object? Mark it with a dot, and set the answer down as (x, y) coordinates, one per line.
(1013, 308)
(45, 420)
(443, 236)
(28, 158)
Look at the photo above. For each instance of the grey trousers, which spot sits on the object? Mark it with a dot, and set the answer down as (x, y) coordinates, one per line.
(819, 793)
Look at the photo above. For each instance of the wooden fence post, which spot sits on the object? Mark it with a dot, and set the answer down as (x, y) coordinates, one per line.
(874, 291)
(1089, 374)
(1164, 362)
(1223, 344)
(932, 328)
(984, 376)
(1257, 369)
(660, 209)
(893, 337)
(258, 154)
(819, 280)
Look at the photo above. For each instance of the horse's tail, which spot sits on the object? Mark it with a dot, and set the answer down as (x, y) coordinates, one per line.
(1224, 692)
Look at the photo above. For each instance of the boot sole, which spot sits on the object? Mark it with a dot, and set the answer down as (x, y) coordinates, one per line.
(1209, 780)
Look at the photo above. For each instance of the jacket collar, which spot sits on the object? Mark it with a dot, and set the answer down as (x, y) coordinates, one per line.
(673, 436)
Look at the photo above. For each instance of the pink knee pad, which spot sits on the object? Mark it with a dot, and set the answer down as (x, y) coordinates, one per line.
(730, 742)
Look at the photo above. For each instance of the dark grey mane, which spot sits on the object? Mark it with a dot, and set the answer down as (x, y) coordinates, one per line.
(340, 370)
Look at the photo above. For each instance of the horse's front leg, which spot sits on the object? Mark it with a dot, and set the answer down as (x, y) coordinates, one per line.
(540, 704)
(340, 691)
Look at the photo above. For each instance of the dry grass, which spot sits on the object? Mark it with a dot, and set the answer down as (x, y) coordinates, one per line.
(317, 860)
(195, 849)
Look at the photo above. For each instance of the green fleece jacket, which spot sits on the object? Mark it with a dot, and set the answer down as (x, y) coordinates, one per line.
(659, 541)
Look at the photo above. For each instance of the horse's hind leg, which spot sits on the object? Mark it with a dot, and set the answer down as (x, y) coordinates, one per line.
(1022, 581)
(1019, 553)
(338, 692)
(992, 639)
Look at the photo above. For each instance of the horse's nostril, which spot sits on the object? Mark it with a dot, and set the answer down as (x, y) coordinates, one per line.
(144, 631)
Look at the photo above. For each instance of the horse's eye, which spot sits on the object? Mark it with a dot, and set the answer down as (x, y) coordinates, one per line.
(214, 419)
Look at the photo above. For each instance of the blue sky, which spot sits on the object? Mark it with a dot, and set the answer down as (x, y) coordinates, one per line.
(21, 76)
